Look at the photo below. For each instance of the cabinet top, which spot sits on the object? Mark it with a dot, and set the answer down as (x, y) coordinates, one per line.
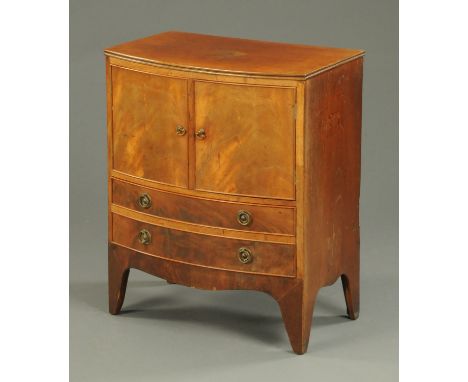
(226, 55)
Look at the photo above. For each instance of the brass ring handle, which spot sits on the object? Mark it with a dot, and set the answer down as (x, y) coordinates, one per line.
(144, 201)
(201, 134)
(180, 130)
(245, 255)
(244, 217)
(144, 237)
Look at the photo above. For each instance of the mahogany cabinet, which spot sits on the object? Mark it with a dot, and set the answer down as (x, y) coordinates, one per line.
(235, 164)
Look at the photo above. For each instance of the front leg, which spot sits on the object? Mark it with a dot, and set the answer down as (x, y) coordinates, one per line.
(118, 276)
(297, 307)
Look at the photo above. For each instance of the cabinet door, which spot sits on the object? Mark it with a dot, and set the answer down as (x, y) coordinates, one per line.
(147, 111)
(248, 142)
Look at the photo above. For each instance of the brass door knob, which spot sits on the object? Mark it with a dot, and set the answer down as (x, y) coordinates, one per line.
(244, 217)
(180, 130)
(144, 237)
(144, 201)
(245, 255)
(201, 134)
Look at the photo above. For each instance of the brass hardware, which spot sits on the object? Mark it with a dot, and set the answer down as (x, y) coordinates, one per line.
(244, 217)
(201, 134)
(144, 237)
(245, 255)
(180, 130)
(144, 201)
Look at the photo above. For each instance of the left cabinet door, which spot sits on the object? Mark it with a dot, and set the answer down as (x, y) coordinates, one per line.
(149, 126)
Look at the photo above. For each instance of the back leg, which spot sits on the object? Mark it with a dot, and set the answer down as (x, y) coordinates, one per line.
(350, 283)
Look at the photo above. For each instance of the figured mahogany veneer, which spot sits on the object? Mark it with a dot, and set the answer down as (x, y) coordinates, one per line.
(203, 211)
(247, 127)
(215, 54)
(139, 126)
(235, 164)
(205, 250)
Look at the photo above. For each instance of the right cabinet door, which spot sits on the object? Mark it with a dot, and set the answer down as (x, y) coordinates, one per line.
(245, 139)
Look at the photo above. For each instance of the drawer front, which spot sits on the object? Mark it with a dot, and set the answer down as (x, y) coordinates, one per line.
(237, 216)
(149, 126)
(247, 145)
(210, 251)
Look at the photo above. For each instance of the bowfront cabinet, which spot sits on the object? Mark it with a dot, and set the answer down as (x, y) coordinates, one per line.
(235, 164)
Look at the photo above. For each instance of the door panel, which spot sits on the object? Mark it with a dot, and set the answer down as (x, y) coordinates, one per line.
(248, 148)
(146, 112)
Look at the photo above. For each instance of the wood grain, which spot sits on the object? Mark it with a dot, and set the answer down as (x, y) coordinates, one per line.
(215, 252)
(109, 129)
(247, 127)
(203, 229)
(299, 170)
(184, 73)
(332, 184)
(204, 211)
(232, 55)
(146, 111)
(201, 194)
(191, 133)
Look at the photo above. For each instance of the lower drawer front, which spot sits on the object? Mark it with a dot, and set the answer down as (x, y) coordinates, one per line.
(199, 249)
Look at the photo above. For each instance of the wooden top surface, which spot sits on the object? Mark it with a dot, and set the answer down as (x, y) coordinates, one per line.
(227, 55)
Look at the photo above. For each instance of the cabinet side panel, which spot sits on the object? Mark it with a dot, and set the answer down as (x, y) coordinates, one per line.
(332, 180)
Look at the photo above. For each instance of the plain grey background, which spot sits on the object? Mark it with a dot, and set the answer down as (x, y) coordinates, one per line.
(173, 333)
